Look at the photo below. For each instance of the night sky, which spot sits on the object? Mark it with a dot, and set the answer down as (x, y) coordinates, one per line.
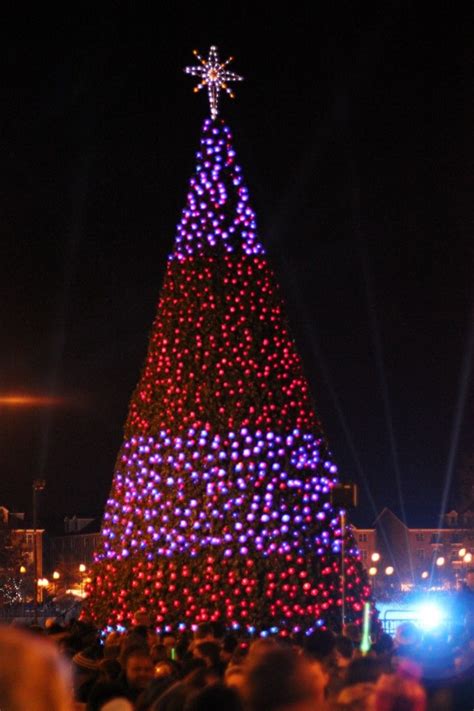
(354, 132)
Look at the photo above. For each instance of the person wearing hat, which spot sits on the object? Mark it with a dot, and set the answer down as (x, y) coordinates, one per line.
(85, 666)
(407, 644)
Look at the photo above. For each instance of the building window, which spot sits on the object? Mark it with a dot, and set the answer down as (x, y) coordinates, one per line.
(363, 537)
(419, 537)
(363, 554)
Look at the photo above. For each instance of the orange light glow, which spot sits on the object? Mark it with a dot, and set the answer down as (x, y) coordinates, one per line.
(28, 400)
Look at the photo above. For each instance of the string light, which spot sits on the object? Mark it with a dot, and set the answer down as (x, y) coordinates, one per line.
(214, 75)
(219, 508)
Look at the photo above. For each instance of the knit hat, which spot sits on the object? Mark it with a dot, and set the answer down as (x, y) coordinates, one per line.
(88, 659)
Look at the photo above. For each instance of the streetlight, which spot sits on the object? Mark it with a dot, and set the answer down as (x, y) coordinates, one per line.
(425, 574)
(56, 576)
(462, 552)
(82, 570)
(467, 558)
(440, 561)
(389, 570)
(373, 571)
(375, 557)
(42, 584)
(38, 485)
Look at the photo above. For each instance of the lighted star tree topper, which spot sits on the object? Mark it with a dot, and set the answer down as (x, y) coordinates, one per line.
(220, 504)
(215, 76)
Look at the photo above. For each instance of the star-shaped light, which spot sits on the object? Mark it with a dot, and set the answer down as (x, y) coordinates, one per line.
(215, 76)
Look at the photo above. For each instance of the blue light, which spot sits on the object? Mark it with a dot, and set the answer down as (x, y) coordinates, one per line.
(430, 615)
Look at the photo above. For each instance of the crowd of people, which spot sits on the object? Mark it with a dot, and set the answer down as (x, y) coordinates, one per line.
(74, 667)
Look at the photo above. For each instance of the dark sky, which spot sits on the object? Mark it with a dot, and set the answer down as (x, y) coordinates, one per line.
(354, 131)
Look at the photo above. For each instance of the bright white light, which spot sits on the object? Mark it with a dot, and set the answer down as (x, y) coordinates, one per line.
(468, 558)
(424, 574)
(429, 616)
(440, 561)
(389, 570)
(462, 552)
(75, 592)
(215, 76)
(375, 557)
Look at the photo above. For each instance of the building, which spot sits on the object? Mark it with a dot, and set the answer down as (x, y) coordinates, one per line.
(403, 556)
(70, 548)
(27, 540)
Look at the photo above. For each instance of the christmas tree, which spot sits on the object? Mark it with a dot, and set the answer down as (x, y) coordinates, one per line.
(220, 503)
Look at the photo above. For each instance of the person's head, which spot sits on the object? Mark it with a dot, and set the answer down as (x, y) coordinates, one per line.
(320, 645)
(113, 639)
(362, 670)
(138, 668)
(209, 651)
(165, 670)
(152, 693)
(85, 668)
(280, 680)
(109, 670)
(218, 630)
(394, 692)
(214, 698)
(102, 693)
(470, 579)
(354, 632)
(159, 653)
(141, 619)
(204, 631)
(407, 636)
(343, 651)
(384, 644)
(118, 704)
(32, 674)
(228, 647)
(261, 646)
(201, 677)
(234, 677)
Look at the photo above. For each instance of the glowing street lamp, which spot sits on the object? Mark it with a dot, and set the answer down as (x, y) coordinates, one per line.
(467, 558)
(375, 557)
(22, 569)
(425, 574)
(42, 584)
(56, 576)
(440, 561)
(83, 571)
(389, 570)
(372, 571)
(462, 552)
